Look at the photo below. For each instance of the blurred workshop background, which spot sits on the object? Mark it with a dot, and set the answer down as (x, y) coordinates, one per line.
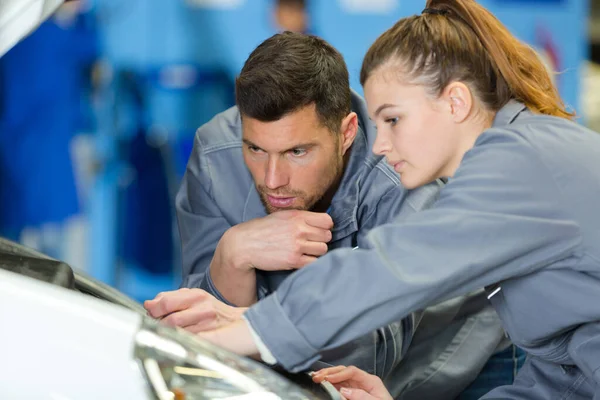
(99, 106)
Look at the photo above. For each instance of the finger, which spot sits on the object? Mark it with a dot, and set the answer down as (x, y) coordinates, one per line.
(355, 377)
(304, 260)
(330, 370)
(177, 300)
(149, 304)
(316, 249)
(319, 375)
(318, 220)
(356, 394)
(156, 298)
(152, 305)
(342, 375)
(200, 314)
(317, 234)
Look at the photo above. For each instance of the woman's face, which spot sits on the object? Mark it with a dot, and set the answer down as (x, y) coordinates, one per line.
(415, 131)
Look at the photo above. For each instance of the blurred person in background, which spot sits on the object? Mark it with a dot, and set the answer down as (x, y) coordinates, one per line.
(291, 15)
(42, 80)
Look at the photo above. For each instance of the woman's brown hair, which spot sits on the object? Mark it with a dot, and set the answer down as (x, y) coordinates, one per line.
(459, 40)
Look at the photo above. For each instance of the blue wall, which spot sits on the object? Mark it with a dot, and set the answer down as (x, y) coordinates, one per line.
(184, 60)
(146, 34)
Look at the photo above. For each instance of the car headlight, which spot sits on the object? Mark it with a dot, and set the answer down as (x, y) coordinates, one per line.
(178, 366)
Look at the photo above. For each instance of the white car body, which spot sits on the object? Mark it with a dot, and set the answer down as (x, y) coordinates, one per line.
(66, 336)
(58, 344)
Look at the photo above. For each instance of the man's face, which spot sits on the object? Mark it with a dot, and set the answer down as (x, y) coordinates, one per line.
(293, 161)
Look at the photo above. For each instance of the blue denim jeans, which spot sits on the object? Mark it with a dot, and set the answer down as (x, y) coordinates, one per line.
(500, 370)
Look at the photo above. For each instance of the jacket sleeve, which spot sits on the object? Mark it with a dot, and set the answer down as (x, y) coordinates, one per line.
(201, 223)
(499, 217)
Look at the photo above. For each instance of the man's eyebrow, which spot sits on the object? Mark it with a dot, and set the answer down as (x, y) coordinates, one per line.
(306, 146)
(249, 143)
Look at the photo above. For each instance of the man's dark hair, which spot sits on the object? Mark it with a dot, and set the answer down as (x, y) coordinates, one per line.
(290, 71)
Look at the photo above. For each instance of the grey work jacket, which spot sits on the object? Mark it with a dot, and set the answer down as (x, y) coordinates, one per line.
(521, 216)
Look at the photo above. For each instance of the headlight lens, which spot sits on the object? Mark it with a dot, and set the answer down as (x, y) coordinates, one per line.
(178, 366)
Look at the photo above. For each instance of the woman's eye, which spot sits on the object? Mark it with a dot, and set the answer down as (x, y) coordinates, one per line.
(392, 121)
(298, 152)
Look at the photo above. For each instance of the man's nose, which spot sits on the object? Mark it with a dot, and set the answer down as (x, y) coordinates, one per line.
(276, 175)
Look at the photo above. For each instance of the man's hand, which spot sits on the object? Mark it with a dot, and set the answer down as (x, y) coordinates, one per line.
(353, 383)
(283, 240)
(192, 309)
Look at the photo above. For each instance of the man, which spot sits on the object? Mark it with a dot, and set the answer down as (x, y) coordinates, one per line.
(282, 178)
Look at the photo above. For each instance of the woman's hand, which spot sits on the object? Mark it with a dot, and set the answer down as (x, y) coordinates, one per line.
(235, 337)
(353, 383)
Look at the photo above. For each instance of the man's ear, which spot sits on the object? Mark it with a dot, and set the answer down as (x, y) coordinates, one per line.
(349, 129)
(459, 98)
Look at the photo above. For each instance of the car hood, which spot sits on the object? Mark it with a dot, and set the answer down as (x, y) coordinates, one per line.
(18, 18)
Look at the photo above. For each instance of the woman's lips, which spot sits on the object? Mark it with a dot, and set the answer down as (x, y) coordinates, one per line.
(399, 165)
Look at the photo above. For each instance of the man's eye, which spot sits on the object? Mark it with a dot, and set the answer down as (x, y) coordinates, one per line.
(254, 149)
(298, 152)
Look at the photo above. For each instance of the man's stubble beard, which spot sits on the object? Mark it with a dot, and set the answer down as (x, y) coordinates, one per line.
(309, 200)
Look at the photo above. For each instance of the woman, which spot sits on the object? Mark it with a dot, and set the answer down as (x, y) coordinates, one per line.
(454, 95)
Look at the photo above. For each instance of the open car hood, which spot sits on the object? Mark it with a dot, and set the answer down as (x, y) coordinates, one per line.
(28, 262)
(18, 18)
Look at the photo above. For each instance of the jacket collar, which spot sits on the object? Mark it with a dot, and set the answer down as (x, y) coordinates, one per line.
(508, 113)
